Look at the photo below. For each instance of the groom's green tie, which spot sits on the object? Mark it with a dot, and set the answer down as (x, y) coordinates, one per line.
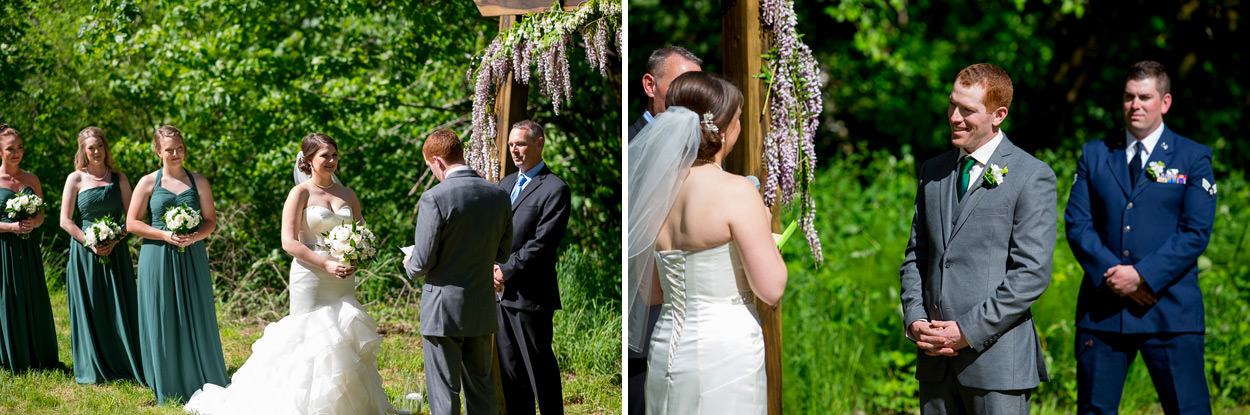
(965, 166)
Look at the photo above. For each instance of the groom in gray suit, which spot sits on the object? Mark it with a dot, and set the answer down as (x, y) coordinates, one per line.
(464, 226)
(979, 256)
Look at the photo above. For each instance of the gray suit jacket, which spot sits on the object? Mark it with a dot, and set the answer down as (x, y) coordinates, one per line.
(982, 262)
(464, 226)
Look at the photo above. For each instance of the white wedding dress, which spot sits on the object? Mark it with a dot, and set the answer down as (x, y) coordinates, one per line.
(320, 359)
(707, 350)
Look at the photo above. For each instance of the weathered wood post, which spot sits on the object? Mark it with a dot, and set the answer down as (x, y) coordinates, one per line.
(742, 42)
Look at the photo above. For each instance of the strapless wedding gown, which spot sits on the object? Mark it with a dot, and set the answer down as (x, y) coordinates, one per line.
(320, 359)
(707, 350)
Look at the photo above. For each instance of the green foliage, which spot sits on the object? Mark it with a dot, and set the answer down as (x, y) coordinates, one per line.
(245, 80)
(844, 347)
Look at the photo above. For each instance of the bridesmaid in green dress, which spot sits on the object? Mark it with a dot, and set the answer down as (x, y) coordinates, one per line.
(178, 335)
(27, 336)
(102, 312)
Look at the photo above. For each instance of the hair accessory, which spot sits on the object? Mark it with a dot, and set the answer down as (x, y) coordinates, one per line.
(707, 122)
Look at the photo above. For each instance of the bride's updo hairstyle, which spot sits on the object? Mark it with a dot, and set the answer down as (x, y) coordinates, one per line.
(80, 158)
(166, 131)
(703, 93)
(310, 146)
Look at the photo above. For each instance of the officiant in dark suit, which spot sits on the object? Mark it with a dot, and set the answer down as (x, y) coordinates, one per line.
(663, 67)
(531, 295)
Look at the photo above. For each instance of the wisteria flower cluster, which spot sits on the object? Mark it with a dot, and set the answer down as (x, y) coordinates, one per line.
(182, 220)
(102, 232)
(795, 104)
(351, 243)
(24, 206)
(540, 41)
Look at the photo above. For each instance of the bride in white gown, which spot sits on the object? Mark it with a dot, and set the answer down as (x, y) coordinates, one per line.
(322, 358)
(703, 237)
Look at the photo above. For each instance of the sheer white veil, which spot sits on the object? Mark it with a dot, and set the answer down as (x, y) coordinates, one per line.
(300, 177)
(659, 160)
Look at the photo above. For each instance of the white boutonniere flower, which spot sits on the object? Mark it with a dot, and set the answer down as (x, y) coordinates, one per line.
(1155, 169)
(994, 175)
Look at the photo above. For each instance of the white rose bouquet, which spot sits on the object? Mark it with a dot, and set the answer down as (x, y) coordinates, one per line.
(182, 220)
(102, 232)
(351, 243)
(24, 206)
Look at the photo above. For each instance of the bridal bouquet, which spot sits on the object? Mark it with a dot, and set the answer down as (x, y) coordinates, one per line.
(24, 206)
(351, 243)
(182, 220)
(102, 232)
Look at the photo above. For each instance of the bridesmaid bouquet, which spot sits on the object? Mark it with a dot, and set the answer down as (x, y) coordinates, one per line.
(351, 243)
(182, 220)
(24, 206)
(102, 232)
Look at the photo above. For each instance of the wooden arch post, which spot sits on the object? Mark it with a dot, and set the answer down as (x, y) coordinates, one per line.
(743, 40)
(510, 99)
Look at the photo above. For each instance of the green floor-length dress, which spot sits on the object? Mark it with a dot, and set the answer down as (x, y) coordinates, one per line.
(178, 335)
(103, 313)
(27, 336)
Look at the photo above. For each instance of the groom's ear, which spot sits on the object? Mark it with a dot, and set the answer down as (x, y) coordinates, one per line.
(1000, 115)
(649, 84)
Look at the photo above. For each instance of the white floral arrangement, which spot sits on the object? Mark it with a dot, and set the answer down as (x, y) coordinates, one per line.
(104, 231)
(182, 220)
(24, 206)
(351, 243)
(994, 175)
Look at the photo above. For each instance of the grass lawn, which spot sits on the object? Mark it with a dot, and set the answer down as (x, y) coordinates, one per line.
(400, 363)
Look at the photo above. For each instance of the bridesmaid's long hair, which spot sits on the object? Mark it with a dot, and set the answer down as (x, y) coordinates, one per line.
(703, 93)
(309, 147)
(80, 158)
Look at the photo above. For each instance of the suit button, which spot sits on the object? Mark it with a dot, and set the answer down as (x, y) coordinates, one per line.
(1127, 228)
(1129, 206)
(1125, 252)
(948, 265)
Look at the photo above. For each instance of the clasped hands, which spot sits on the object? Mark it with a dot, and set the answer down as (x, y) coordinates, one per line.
(938, 337)
(1125, 281)
(23, 226)
(181, 241)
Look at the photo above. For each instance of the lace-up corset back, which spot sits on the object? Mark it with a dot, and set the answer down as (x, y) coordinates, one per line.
(713, 275)
(319, 220)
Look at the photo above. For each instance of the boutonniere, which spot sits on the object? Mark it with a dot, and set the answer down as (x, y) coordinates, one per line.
(994, 175)
(1155, 169)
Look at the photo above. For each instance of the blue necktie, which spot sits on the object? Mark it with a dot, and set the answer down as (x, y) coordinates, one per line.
(520, 182)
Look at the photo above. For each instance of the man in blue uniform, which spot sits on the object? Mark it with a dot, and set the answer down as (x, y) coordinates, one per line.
(1139, 216)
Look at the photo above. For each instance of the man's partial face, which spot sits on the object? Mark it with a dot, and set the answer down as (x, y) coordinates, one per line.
(656, 85)
(971, 124)
(525, 153)
(1144, 106)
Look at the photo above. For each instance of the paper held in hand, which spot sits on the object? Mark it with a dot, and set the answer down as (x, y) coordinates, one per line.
(407, 250)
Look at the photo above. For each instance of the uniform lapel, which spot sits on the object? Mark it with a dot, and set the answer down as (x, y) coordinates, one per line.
(1117, 164)
(977, 190)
